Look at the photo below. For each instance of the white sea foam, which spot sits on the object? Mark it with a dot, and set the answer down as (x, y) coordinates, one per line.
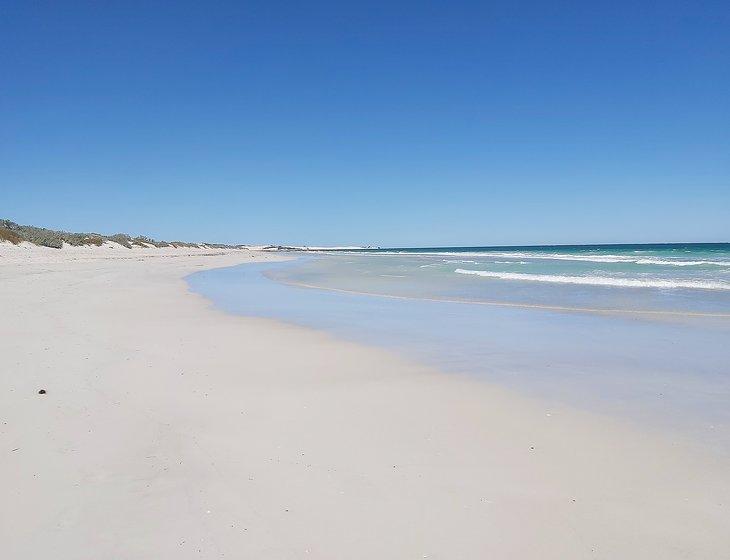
(602, 280)
(629, 259)
(608, 259)
(682, 263)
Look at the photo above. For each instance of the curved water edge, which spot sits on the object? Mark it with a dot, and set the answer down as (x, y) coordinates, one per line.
(519, 278)
(672, 376)
(544, 307)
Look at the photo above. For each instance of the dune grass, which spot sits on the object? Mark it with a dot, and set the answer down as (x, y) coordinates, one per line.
(16, 233)
(9, 235)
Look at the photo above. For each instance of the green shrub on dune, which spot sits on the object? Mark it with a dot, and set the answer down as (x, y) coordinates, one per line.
(16, 233)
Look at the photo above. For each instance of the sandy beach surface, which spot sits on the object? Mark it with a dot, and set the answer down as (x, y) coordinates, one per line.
(170, 429)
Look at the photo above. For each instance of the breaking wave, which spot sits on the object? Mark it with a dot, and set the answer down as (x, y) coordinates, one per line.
(602, 280)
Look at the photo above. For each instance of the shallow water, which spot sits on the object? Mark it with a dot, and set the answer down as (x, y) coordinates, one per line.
(669, 373)
(690, 278)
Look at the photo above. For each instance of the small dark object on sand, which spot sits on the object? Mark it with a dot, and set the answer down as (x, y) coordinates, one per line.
(42, 392)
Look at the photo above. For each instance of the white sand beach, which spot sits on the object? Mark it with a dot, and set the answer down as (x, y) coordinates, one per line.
(170, 429)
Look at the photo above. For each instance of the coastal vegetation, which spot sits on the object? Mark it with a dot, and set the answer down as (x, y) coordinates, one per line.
(16, 233)
(7, 234)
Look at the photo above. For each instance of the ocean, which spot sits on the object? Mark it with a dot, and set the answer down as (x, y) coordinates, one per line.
(639, 332)
(682, 278)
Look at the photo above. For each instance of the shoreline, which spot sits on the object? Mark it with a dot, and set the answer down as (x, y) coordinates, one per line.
(545, 307)
(194, 433)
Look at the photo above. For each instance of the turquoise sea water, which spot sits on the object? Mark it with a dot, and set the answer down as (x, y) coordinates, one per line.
(660, 278)
(655, 353)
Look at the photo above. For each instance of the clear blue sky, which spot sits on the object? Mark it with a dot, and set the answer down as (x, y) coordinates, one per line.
(393, 123)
